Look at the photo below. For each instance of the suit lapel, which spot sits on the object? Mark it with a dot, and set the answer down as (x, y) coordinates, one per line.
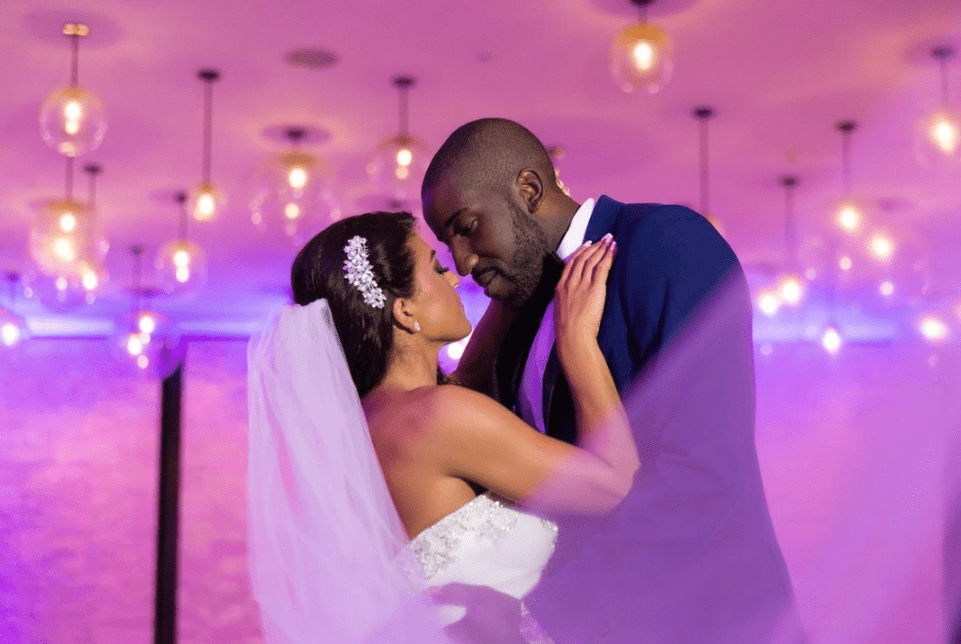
(564, 425)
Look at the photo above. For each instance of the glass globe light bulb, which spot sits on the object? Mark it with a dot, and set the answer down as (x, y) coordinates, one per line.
(398, 166)
(182, 266)
(294, 194)
(768, 303)
(642, 58)
(72, 121)
(933, 328)
(938, 137)
(790, 290)
(63, 235)
(13, 329)
(881, 247)
(850, 213)
(831, 340)
(205, 202)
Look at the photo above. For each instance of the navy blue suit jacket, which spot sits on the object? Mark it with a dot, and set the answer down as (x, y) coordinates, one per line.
(691, 554)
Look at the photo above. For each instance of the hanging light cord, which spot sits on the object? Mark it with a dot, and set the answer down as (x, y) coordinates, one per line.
(181, 199)
(403, 85)
(208, 126)
(69, 178)
(137, 252)
(790, 225)
(92, 170)
(642, 6)
(208, 76)
(74, 59)
(846, 127)
(13, 278)
(703, 114)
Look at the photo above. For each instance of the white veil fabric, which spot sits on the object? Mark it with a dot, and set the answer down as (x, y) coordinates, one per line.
(325, 540)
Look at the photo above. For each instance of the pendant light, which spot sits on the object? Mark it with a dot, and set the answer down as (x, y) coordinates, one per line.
(72, 118)
(181, 263)
(399, 163)
(939, 133)
(92, 272)
(295, 194)
(62, 235)
(13, 328)
(790, 286)
(849, 211)
(206, 200)
(142, 333)
(642, 55)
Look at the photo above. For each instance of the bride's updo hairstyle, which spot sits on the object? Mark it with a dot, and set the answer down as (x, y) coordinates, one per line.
(366, 333)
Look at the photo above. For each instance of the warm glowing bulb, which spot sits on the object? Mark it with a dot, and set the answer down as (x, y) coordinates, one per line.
(297, 177)
(644, 55)
(134, 344)
(845, 263)
(767, 303)
(881, 247)
(68, 222)
(64, 249)
(791, 290)
(90, 280)
(933, 328)
(944, 133)
(404, 157)
(291, 211)
(849, 218)
(205, 206)
(146, 323)
(181, 258)
(402, 172)
(182, 274)
(142, 361)
(61, 283)
(10, 334)
(886, 288)
(831, 340)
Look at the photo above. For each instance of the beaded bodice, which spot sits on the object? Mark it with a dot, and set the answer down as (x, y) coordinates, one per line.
(487, 542)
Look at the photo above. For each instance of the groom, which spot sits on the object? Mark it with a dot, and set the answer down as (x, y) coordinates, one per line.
(691, 554)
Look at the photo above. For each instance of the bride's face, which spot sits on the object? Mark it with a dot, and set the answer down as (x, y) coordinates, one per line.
(439, 309)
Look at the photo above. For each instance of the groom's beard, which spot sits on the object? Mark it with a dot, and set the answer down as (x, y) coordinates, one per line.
(530, 253)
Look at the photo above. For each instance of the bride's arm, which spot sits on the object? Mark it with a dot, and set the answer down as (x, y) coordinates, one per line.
(474, 438)
(476, 366)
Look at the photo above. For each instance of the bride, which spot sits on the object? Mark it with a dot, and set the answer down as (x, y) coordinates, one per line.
(378, 488)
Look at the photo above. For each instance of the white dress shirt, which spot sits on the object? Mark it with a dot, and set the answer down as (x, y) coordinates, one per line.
(531, 398)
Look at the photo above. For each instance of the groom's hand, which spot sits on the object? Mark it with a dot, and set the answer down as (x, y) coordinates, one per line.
(491, 616)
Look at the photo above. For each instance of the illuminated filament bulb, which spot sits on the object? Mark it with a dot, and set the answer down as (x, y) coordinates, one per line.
(768, 303)
(146, 323)
(135, 344)
(831, 340)
(90, 280)
(849, 217)
(64, 249)
(933, 328)
(68, 222)
(9, 334)
(72, 116)
(881, 247)
(404, 157)
(790, 290)
(944, 133)
(291, 211)
(297, 177)
(845, 263)
(886, 288)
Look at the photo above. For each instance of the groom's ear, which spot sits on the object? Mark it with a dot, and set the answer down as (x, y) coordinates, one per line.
(530, 188)
(404, 314)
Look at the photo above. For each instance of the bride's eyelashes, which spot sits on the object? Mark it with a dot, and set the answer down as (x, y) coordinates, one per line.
(439, 268)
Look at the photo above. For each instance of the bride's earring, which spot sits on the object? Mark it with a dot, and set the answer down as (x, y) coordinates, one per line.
(416, 326)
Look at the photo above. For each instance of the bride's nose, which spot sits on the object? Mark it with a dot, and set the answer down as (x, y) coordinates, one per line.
(453, 278)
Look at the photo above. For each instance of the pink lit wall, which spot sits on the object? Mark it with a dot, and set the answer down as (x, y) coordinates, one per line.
(852, 447)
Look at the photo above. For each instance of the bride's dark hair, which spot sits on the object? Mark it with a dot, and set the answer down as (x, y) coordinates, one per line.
(366, 333)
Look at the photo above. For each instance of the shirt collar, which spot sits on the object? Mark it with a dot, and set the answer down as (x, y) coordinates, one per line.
(574, 236)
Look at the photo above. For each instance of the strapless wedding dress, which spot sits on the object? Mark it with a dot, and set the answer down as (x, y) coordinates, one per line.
(487, 542)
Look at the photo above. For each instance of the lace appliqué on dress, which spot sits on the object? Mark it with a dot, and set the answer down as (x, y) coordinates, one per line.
(484, 516)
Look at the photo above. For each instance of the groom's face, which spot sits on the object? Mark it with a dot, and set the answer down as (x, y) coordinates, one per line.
(491, 237)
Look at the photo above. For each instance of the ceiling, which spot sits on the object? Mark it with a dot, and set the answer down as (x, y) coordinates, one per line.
(779, 75)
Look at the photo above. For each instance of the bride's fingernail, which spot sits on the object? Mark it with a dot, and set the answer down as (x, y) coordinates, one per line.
(587, 243)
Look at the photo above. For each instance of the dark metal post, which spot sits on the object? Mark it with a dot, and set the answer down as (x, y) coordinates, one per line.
(165, 621)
